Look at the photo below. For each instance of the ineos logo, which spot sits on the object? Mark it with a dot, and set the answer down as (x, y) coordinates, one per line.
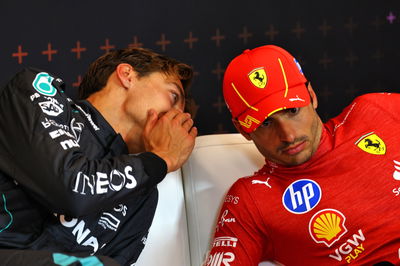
(101, 183)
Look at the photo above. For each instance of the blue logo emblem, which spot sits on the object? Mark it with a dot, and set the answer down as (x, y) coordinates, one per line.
(4, 226)
(298, 66)
(63, 259)
(42, 84)
(301, 196)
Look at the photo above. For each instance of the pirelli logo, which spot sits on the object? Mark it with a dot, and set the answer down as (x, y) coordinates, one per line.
(225, 241)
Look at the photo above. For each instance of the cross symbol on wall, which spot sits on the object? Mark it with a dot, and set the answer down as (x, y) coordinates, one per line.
(377, 22)
(325, 60)
(271, 32)
(191, 107)
(49, 52)
(135, 44)
(298, 30)
(218, 71)
(191, 40)
(163, 42)
(325, 93)
(219, 104)
(217, 38)
(78, 49)
(351, 26)
(245, 35)
(195, 73)
(78, 82)
(391, 17)
(19, 54)
(220, 129)
(107, 47)
(325, 28)
(351, 58)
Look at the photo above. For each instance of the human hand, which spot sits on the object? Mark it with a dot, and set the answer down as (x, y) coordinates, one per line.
(171, 137)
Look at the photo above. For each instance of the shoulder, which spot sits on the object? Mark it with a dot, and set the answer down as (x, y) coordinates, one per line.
(369, 106)
(245, 186)
(378, 105)
(242, 196)
(378, 99)
(366, 111)
(36, 95)
(32, 80)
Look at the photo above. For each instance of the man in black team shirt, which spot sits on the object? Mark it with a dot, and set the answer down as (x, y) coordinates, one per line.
(79, 177)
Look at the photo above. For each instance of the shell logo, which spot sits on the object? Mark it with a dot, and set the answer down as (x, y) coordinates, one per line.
(327, 226)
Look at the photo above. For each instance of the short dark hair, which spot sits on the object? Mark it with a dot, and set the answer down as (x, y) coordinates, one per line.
(143, 61)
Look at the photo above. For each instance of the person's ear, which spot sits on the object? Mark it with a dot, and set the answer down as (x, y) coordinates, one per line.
(240, 129)
(125, 74)
(313, 96)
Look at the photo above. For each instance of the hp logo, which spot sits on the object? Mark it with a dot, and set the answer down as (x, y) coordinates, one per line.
(301, 196)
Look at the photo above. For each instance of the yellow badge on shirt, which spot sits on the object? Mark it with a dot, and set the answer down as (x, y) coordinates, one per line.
(372, 144)
(258, 77)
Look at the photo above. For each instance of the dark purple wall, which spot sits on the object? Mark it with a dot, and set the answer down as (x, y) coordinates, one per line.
(346, 48)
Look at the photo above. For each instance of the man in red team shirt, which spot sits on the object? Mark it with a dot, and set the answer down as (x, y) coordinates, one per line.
(328, 193)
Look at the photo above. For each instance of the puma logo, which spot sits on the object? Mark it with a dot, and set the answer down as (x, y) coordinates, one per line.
(261, 182)
(296, 99)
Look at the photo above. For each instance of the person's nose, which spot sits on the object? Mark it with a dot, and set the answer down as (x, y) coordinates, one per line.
(286, 131)
(179, 107)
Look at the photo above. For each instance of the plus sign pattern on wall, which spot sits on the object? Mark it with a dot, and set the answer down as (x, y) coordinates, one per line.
(346, 48)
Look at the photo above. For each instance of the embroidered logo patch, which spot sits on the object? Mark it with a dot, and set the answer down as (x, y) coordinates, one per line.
(372, 144)
(258, 77)
(327, 226)
(42, 84)
(301, 196)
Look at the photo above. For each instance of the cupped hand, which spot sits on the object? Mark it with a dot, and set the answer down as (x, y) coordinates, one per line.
(171, 136)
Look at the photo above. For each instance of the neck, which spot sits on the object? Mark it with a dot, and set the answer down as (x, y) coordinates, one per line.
(110, 103)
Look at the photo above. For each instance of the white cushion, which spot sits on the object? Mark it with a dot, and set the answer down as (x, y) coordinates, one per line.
(167, 242)
(216, 163)
(184, 222)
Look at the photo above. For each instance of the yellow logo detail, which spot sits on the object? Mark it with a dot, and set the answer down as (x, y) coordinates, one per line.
(248, 121)
(327, 226)
(241, 97)
(372, 144)
(258, 77)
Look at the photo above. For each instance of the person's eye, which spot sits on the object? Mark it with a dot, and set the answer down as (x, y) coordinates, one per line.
(294, 110)
(266, 123)
(174, 97)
